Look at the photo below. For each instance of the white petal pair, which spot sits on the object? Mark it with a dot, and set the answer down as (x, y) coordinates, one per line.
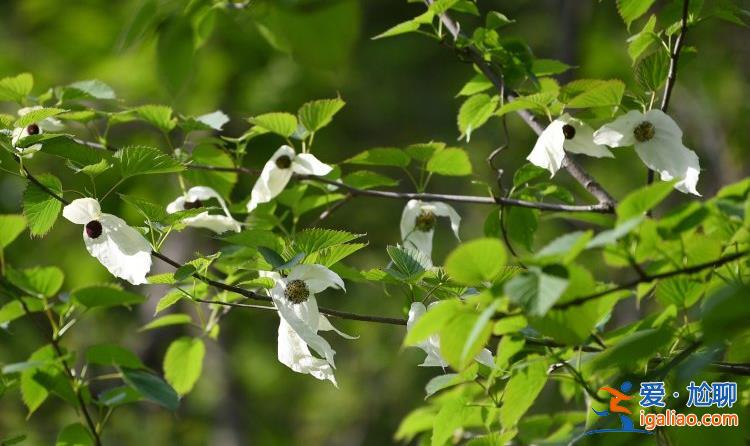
(194, 198)
(418, 223)
(565, 134)
(278, 171)
(118, 247)
(300, 322)
(658, 142)
(432, 345)
(45, 125)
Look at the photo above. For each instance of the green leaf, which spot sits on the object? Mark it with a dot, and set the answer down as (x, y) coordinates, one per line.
(175, 52)
(365, 179)
(408, 264)
(479, 334)
(168, 300)
(381, 156)
(633, 348)
(16, 88)
(37, 115)
(33, 393)
(11, 226)
(117, 396)
(432, 321)
(454, 414)
(106, 296)
(91, 89)
(450, 162)
(474, 112)
(538, 290)
(525, 384)
(595, 93)
(272, 257)
(37, 281)
(315, 239)
(142, 160)
(548, 67)
(651, 72)
(630, 10)
(112, 355)
(417, 421)
(476, 84)
(643, 200)
(642, 41)
(284, 124)
(537, 101)
(39, 208)
(158, 115)
(408, 26)
(610, 236)
(477, 261)
(165, 321)
(183, 363)
(14, 310)
(680, 291)
(496, 20)
(78, 154)
(521, 224)
(74, 435)
(527, 173)
(152, 388)
(315, 115)
(565, 248)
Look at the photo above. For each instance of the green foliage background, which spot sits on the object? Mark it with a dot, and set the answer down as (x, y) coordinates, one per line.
(275, 56)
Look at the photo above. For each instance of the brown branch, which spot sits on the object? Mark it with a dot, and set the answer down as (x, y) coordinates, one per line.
(473, 53)
(473, 199)
(674, 58)
(651, 277)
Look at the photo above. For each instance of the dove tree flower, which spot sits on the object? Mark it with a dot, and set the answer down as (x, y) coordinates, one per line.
(418, 222)
(300, 320)
(195, 198)
(565, 134)
(278, 171)
(431, 346)
(118, 247)
(658, 142)
(37, 128)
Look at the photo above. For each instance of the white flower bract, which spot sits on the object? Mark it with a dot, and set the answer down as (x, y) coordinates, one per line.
(658, 144)
(19, 133)
(431, 346)
(421, 238)
(119, 248)
(216, 223)
(549, 150)
(300, 322)
(274, 178)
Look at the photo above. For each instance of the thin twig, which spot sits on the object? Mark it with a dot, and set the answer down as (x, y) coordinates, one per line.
(651, 277)
(473, 54)
(61, 356)
(674, 58)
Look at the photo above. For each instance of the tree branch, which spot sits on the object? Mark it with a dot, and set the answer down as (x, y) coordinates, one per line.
(674, 58)
(651, 277)
(494, 200)
(575, 170)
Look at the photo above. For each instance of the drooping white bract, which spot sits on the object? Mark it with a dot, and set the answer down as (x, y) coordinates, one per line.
(19, 133)
(117, 246)
(300, 320)
(565, 134)
(418, 223)
(658, 142)
(432, 345)
(278, 171)
(193, 199)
